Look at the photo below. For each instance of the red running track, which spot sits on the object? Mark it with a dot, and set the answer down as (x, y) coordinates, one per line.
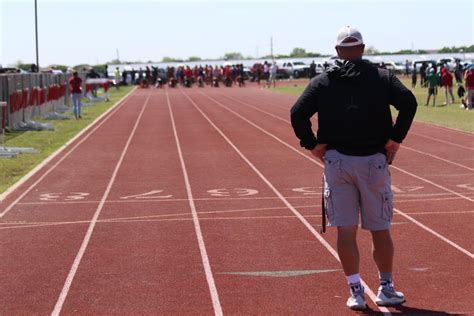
(199, 201)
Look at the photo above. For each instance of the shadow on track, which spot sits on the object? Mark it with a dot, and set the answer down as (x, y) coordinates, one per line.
(407, 310)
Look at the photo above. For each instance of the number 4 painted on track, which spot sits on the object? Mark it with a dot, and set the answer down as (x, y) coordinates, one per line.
(148, 195)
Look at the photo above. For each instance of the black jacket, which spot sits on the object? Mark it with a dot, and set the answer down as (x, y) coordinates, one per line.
(353, 105)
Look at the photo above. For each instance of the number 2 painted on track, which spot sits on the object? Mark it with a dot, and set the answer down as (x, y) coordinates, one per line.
(148, 195)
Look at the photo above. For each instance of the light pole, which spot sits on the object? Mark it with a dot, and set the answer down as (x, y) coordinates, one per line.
(36, 32)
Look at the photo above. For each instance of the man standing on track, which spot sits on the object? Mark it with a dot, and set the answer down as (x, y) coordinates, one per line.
(357, 140)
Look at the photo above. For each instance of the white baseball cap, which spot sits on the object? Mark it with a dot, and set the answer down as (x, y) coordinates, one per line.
(349, 36)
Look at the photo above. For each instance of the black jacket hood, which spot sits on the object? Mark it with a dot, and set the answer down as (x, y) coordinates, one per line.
(351, 70)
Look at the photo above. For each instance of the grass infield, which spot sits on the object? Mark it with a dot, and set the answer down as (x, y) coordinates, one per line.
(13, 169)
(449, 116)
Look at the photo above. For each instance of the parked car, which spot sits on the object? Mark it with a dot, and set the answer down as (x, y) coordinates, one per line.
(396, 68)
(418, 63)
(295, 69)
(11, 70)
(449, 62)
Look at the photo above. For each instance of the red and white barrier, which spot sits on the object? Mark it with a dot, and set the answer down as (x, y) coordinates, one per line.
(3, 113)
(31, 108)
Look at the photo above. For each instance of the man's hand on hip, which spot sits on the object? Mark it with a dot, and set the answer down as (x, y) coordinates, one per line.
(319, 151)
(391, 147)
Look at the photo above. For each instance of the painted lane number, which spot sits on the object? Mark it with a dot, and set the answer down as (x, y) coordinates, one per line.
(155, 194)
(72, 196)
(232, 192)
(307, 190)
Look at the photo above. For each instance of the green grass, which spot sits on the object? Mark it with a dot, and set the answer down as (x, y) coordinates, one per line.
(12, 169)
(449, 116)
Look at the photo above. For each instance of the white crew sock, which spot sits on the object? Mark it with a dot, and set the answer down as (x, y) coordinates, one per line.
(353, 279)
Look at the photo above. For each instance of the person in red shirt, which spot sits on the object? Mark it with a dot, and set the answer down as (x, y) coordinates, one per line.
(75, 88)
(188, 77)
(469, 80)
(447, 82)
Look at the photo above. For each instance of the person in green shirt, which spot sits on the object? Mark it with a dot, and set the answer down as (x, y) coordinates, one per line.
(433, 82)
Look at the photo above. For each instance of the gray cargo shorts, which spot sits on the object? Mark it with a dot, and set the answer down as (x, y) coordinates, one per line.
(358, 185)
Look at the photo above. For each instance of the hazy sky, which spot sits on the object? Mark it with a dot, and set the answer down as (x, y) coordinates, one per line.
(74, 32)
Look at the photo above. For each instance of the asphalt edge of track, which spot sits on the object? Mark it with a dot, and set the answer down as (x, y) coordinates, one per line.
(58, 151)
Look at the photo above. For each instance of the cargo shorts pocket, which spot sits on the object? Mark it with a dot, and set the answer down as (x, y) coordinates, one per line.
(387, 206)
(332, 171)
(378, 173)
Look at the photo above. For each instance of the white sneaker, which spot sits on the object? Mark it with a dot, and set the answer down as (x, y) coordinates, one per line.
(357, 299)
(387, 296)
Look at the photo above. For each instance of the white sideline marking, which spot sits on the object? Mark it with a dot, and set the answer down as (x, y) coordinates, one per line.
(435, 233)
(322, 166)
(282, 198)
(432, 183)
(56, 153)
(403, 146)
(441, 141)
(450, 129)
(169, 217)
(87, 237)
(202, 247)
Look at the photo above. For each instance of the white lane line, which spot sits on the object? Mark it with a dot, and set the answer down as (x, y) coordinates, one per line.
(449, 129)
(202, 247)
(441, 141)
(232, 211)
(397, 168)
(316, 162)
(403, 146)
(435, 233)
(285, 201)
(166, 217)
(87, 237)
(94, 127)
(432, 183)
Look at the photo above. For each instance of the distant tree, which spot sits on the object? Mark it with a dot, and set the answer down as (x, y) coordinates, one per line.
(454, 49)
(233, 55)
(81, 67)
(167, 59)
(298, 52)
(313, 54)
(22, 65)
(371, 51)
(194, 58)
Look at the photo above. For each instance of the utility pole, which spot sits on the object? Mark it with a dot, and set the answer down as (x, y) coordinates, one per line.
(36, 31)
(271, 47)
(118, 56)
